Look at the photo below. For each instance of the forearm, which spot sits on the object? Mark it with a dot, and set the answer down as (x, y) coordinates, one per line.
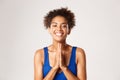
(51, 74)
(69, 75)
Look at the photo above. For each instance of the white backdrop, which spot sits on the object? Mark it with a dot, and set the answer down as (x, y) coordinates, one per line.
(22, 32)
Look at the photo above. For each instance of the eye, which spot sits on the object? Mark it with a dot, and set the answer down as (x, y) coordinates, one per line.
(64, 26)
(53, 25)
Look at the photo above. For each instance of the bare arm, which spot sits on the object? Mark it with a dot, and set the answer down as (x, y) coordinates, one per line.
(38, 66)
(81, 64)
(51, 74)
(38, 63)
(81, 67)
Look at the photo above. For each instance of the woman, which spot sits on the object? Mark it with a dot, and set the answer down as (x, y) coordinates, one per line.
(59, 61)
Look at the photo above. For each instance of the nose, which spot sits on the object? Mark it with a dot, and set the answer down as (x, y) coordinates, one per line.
(59, 27)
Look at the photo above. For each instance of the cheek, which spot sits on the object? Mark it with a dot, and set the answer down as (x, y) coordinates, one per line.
(51, 30)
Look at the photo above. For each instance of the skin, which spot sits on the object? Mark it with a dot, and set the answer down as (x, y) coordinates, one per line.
(59, 54)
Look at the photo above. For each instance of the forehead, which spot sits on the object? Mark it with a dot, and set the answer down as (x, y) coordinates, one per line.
(59, 19)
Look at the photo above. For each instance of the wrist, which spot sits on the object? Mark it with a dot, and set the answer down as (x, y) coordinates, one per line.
(64, 68)
(55, 68)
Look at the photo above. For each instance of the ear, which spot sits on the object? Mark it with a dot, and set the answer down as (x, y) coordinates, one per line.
(69, 31)
(49, 30)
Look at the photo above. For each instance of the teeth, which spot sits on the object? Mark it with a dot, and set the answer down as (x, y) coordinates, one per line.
(58, 34)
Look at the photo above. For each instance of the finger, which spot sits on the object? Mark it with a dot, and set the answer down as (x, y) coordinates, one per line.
(60, 59)
(59, 47)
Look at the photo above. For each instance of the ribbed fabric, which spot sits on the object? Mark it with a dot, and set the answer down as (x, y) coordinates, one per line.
(60, 76)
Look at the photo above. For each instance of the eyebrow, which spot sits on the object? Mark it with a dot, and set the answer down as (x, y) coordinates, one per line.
(56, 23)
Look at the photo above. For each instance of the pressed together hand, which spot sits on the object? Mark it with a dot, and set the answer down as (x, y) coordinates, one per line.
(59, 63)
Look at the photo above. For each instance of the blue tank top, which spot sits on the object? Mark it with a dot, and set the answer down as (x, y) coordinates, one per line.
(60, 76)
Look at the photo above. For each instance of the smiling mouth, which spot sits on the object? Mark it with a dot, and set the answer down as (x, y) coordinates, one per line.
(59, 34)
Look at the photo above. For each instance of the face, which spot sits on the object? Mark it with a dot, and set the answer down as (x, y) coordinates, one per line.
(59, 28)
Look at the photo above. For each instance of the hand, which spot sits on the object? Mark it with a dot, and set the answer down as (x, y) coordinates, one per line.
(57, 57)
(57, 61)
(61, 57)
(60, 62)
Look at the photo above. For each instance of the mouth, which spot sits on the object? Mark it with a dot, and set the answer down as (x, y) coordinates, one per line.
(59, 34)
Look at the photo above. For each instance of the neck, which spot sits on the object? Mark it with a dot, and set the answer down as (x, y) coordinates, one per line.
(56, 43)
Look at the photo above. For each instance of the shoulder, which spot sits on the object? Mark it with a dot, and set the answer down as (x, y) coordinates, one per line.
(80, 54)
(39, 55)
(39, 52)
(80, 51)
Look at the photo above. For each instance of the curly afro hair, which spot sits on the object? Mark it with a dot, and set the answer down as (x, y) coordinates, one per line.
(64, 12)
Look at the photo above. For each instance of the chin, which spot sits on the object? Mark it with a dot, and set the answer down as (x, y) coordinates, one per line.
(59, 40)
